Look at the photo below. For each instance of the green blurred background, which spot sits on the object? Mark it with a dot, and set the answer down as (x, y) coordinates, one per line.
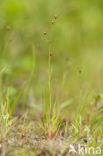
(77, 34)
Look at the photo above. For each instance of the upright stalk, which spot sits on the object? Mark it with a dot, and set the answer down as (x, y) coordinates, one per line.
(49, 81)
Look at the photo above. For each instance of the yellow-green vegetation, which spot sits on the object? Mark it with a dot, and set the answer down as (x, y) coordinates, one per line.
(51, 77)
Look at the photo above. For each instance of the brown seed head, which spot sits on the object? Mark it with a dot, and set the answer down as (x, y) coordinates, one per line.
(79, 69)
(53, 22)
(51, 54)
(67, 59)
(45, 33)
(55, 16)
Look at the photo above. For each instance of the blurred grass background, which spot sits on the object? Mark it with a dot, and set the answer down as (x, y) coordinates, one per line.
(77, 34)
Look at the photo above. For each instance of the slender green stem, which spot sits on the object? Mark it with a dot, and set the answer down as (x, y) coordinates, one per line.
(49, 81)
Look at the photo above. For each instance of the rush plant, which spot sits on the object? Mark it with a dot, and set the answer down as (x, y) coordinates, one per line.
(51, 120)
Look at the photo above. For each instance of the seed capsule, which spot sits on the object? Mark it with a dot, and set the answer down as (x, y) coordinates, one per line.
(51, 54)
(79, 69)
(55, 16)
(45, 33)
(67, 59)
(53, 22)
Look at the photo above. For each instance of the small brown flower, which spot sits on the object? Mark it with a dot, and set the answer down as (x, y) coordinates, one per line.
(55, 16)
(67, 59)
(79, 69)
(53, 22)
(45, 33)
(51, 54)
